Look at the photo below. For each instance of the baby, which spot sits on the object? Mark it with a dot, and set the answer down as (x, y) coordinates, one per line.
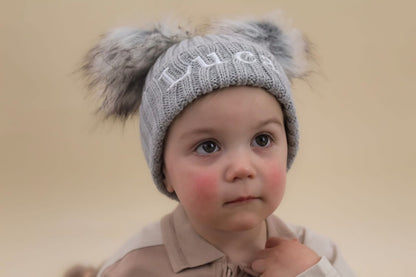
(219, 132)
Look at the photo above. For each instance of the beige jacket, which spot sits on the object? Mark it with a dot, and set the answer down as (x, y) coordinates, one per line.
(173, 248)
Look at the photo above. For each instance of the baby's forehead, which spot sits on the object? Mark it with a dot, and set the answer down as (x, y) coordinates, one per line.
(235, 104)
(221, 94)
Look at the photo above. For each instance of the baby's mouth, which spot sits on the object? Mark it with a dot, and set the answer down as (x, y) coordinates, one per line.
(241, 200)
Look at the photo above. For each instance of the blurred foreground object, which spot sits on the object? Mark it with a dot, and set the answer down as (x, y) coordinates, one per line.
(81, 271)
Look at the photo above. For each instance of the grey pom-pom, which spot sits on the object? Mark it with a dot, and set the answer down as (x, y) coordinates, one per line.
(290, 47)
(117, 66)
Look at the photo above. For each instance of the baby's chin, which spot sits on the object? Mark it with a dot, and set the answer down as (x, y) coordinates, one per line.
(244, 222)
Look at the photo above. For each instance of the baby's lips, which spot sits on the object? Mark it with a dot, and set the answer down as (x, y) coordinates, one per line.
(241, 199)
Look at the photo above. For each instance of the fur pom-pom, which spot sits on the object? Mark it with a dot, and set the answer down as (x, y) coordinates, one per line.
(117, 66)
(290, 47)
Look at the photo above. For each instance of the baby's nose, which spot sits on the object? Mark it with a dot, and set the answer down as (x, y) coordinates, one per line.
(240, 167)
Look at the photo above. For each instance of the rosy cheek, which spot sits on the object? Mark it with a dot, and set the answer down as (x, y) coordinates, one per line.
(204, 187)
(275, 177)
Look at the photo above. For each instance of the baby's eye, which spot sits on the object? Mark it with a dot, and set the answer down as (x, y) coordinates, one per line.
(262, 140)
(207, 147)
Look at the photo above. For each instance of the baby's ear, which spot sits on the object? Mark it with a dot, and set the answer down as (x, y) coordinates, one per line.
(166, 182)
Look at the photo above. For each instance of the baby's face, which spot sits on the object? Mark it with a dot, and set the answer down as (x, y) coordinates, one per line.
(225, 157)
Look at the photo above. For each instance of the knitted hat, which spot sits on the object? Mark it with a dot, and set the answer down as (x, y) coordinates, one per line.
(160, 72)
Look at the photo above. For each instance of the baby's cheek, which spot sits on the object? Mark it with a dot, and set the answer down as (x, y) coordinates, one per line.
(204, 187)
(275, 177)
(202, 195)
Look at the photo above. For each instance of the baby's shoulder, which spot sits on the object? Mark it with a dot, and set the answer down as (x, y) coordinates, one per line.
(324, 247)
(139, 256)
(321, 244)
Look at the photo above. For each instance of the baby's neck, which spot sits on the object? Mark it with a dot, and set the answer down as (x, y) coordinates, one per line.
(240, 247)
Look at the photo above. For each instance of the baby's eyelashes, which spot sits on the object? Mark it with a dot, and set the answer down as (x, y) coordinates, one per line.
(262, 140)
(207, 147)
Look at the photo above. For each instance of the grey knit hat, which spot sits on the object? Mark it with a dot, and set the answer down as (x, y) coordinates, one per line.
(159, 72)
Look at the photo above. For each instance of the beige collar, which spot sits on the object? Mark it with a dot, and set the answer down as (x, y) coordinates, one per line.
(186, 249)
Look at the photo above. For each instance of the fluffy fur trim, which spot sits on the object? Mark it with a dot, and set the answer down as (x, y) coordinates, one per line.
(117, 66)
(290, 47)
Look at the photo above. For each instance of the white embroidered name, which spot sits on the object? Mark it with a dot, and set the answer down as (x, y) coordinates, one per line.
(242, 56)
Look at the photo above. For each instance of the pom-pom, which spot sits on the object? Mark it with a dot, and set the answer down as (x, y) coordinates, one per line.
(117, 66)
(290, 47)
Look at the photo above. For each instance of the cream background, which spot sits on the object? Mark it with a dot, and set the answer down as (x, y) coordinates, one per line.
(72, 189)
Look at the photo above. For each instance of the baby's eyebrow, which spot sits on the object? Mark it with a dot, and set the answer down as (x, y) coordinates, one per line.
(198, 131)
(270, 121)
